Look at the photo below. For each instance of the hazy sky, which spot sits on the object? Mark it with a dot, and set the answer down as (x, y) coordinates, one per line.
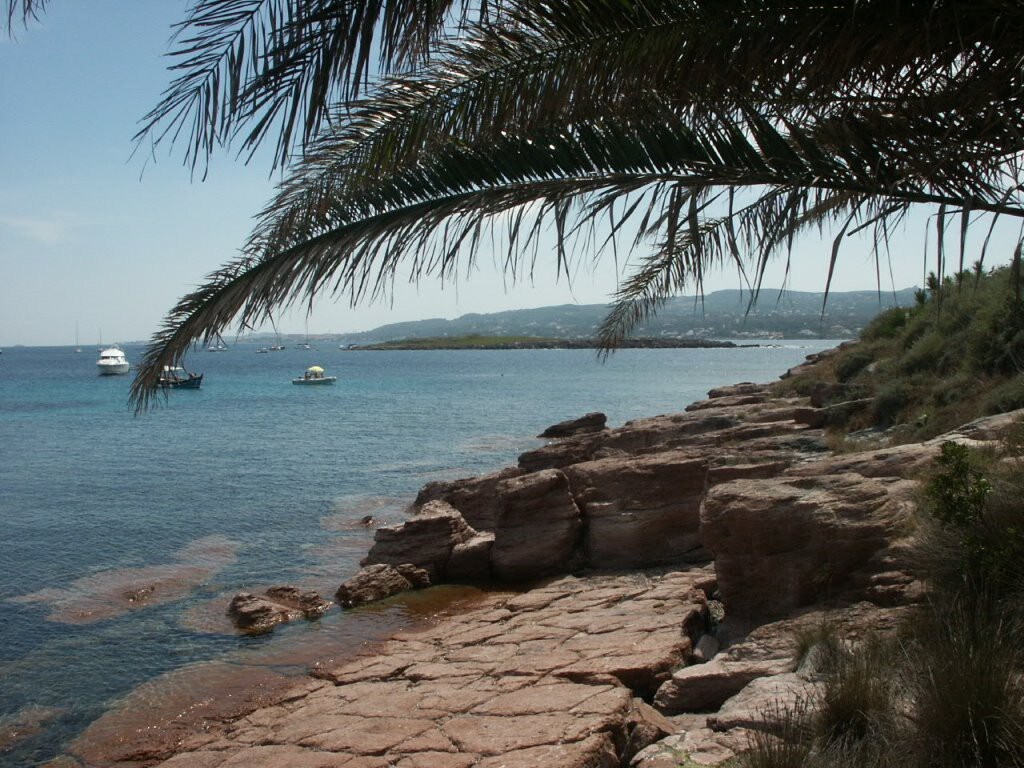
(93, 238)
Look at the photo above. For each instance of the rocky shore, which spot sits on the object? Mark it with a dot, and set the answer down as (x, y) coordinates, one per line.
(654, 582)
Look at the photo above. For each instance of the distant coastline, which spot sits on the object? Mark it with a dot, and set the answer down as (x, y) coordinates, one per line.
(526, 342)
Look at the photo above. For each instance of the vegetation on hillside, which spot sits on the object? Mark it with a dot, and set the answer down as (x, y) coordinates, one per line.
(533, 342)
(948, 691)
(918, 372)
(461, 342)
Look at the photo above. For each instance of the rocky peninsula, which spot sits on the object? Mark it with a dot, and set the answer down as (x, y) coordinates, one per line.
(649, 588)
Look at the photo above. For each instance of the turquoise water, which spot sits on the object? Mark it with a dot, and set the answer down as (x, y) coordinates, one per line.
(249, 482)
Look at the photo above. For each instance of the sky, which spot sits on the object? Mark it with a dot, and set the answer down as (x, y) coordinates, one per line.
(100, 244)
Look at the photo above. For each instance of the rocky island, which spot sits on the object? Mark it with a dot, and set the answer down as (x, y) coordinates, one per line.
(651, 591)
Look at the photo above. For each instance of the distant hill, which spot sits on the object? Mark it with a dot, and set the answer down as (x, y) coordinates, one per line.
(721, 315)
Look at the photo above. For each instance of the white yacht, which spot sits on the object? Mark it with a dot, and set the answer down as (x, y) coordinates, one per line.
(112, 362)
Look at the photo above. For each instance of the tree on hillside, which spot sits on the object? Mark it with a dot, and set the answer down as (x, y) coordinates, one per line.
(702, 131)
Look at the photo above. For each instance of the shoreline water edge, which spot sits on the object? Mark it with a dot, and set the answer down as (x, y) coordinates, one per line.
(638, 595)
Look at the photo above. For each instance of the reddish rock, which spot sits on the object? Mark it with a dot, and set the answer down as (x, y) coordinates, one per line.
(475, 498)
(538, 528)
(812, 417)
(562, 453)
(425, 540)
(986, 428)
(310, 603)
(705, 687)
(761, 698)
(372, 583)
(470, 561)
(251, 613)
(645, 725)
(784, 543)
(725, 401)
(640, 511)
(741, 389)
(722, 469)
(897, 461)
(416, 576)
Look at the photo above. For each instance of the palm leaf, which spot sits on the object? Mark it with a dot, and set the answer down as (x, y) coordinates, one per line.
(715, 132)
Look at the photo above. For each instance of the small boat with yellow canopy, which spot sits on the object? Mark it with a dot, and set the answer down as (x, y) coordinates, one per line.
(314, 375)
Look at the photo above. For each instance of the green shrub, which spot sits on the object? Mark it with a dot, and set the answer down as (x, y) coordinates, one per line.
(1008, 396)
(852, 363)
(958, 491)
(889, 404)
(925, 354)
(953, 389)
(887, 325)
(983, 522)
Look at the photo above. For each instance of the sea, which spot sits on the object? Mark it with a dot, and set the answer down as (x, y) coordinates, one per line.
(123, 536)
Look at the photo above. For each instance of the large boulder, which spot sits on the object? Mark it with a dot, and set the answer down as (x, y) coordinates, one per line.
(538, 527)
(640, 511)
(790, 541)
(426, 540)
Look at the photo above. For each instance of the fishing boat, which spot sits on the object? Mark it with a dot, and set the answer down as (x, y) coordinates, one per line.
(176, 377)
(314, 375)
(112, 362)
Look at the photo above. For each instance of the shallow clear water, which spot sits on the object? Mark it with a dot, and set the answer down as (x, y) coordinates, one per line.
(251, 481)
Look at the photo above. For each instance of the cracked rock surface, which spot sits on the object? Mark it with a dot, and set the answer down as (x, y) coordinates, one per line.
(548, 677)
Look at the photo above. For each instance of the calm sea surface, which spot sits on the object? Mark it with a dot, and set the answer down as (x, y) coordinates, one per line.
(122, 538)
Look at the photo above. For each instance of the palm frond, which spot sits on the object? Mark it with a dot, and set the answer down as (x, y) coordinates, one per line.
(253, 69)
(718, 132)
(23, 12)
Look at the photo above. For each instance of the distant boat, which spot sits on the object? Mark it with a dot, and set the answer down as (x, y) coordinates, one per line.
(175, 377)
(304, 344)
(314, 375)
(112, 362)
(218, 345)
(78, 347)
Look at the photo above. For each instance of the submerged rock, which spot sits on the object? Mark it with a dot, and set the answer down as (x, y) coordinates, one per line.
(310, 603)
(261, 613)
(252, 613)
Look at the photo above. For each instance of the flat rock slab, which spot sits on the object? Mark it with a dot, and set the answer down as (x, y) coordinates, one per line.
(546, 677)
